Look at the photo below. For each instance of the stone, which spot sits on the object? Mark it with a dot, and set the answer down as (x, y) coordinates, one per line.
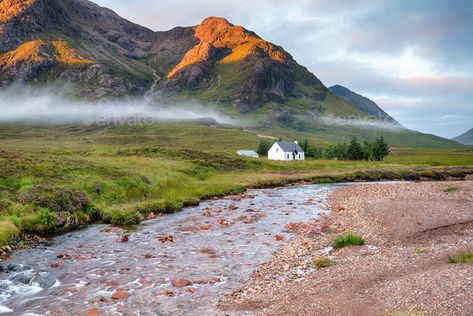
(206, 227)
(166, 238)
(207, 251)
(278, 237)
(327, 250)
(120, 295)
(112, 229)
(55, 265)
(165, 293)
(208, 280)
(63, 256)
(93, 312)
(123, 238)
(178, 282)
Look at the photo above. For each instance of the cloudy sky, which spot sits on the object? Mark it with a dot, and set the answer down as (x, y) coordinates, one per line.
(414, 58)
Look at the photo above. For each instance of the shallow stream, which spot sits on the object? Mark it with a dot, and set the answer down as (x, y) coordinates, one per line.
(215, 246)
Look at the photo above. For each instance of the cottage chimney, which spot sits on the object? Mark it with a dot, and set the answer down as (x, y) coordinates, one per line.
(296, 142)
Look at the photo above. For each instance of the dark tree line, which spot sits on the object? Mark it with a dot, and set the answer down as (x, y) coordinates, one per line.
(372, 150)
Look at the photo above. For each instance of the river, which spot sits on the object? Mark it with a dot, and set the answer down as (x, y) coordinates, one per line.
(215, 246)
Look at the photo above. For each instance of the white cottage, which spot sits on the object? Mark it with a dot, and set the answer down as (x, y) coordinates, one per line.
(286, 151)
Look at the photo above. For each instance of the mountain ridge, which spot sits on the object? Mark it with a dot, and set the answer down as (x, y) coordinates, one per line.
(240, 67)
(363, 104)
(224, 66)
(465, 138)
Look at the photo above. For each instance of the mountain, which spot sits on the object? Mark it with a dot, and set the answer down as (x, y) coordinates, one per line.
(363, 104)
(465, 138)
(224, 66)
(78, 41)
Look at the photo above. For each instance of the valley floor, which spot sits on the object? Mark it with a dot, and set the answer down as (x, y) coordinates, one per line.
(410, 230)
(55, 179)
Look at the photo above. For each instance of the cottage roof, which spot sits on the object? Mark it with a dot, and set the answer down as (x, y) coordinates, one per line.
(290, 147)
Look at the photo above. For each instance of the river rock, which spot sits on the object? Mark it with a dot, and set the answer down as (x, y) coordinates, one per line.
(120, 295)
(63, 256)
(112, 229)
(166, 238)
(208, 280)
(123, 238)
(93, 312)
(278, 237)
(181, 282)
(165, 293)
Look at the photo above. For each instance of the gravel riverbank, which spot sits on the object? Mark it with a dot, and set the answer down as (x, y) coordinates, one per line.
(410, 230)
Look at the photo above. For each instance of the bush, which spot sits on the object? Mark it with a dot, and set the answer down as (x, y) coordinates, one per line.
(346, 240)
(122, 217)
(8, 231)
(263, 148)
(462, 257)
(173, 207)
(56, 199)
(323, 262)
(44, 221)
(451, 189)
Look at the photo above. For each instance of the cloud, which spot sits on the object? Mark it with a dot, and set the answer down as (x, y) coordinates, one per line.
(53, 106)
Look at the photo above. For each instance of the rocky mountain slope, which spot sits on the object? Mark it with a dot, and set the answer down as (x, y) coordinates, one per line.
(465, 138)
(363, 104)
(103, 56)
(75, 41)
(44, 41)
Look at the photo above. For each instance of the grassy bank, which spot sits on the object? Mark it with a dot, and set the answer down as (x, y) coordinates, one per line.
(55, 179)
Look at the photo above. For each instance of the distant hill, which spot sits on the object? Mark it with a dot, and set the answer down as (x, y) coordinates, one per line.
(363, 104)
(465, 138)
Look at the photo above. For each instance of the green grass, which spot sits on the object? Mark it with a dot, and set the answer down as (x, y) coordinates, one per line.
(8, 231)
(79, 174)
(451, 189)
(461, 257)
(323, 262)
(346, 240)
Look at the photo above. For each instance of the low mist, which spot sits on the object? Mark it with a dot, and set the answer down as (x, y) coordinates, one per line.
(57, 106)
(361, 122)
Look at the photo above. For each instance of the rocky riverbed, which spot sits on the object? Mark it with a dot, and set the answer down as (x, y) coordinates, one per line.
(179, 264)
(410, 230)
